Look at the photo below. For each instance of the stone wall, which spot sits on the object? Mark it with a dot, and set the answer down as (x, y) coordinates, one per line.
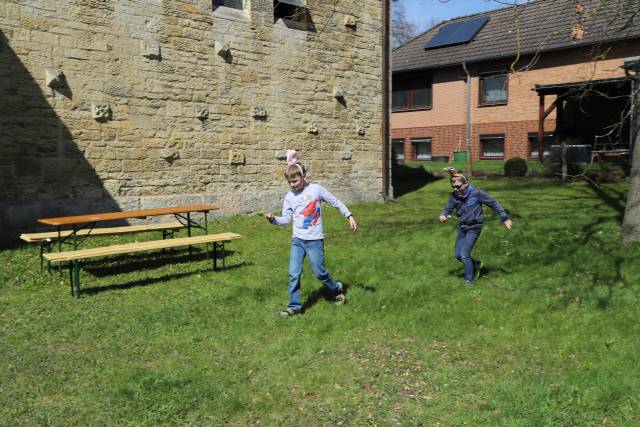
(127, 104)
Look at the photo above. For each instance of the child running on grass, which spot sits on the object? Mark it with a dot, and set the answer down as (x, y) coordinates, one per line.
(302, 205)
(467, 201)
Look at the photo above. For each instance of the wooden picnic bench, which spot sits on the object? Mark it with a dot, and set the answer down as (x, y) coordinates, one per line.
(83, 226)
(46, 239)
(75, 257)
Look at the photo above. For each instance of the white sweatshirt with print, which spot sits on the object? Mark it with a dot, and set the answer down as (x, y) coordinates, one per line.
(304, 207)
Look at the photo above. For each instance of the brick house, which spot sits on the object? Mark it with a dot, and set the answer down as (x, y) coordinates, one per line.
(550, 68)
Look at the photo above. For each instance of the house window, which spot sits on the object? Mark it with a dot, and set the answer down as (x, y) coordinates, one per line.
(233, 4)
(547, 141)
(494, 89)
(492, 146)
(411, 92)
(397, 149)
(422, 148)
(294, 14)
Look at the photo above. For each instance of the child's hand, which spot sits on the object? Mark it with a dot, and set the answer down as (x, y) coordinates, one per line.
(269, 216)
(442, 218)
(353, 223)
(508, 224)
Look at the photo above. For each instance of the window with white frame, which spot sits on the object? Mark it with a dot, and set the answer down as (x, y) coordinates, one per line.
(422, 147)
(492, 146)
(397, 149)
(494, 89)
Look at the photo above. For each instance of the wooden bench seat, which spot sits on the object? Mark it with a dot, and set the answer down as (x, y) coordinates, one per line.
(107, 231)
(74, 257)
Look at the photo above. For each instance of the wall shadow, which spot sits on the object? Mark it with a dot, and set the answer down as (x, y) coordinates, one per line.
(43, 172)
(406, 179)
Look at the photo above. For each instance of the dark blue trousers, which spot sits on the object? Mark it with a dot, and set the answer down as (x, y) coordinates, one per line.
(465, 241)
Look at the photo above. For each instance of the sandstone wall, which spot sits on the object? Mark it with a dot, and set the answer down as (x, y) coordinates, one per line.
(152, 110)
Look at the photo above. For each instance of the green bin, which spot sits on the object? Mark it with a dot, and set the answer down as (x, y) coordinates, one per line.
(459, 156)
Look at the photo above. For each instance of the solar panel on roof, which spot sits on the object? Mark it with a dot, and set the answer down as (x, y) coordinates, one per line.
(457, 33)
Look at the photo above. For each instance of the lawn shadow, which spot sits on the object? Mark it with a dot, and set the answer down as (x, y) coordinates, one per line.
(616, 201)
(123, 264)
(406, 179)
(493, 271)
(92, 290)
(138, 283)
(324, 294)
(599, 270)
(485, 272)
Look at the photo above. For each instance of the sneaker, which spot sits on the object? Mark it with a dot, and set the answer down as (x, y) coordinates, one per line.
(468, 283)
(341, 298)
(288, 312)
(477, 267)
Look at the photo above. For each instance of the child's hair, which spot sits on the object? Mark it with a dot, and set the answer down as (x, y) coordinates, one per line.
(296, 169)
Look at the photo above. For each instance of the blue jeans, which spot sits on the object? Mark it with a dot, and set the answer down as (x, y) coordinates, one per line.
(465, 241)
(314, 249)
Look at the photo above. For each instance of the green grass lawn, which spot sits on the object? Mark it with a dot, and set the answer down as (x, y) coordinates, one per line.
(547, 337)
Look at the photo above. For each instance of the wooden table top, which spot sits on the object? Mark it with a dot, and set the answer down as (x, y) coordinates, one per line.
(109, 216)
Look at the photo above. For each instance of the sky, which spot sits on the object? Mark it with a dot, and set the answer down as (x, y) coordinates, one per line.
(425, 13)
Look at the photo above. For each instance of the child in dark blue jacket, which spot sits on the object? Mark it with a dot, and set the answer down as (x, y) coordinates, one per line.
(467, 201)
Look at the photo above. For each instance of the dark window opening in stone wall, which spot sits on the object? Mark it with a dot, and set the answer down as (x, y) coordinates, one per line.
(294, 14)
(233, 4)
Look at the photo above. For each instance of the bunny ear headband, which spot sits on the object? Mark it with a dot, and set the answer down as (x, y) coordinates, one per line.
(292, 159)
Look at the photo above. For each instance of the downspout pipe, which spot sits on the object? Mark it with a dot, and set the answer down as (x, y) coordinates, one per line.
(633, 116)
(469, 152)
(386, 75)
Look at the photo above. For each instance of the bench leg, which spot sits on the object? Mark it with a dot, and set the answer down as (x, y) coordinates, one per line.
(74, 271)
(45, 245)
(223, 255)
(71, 276)
(217, 245)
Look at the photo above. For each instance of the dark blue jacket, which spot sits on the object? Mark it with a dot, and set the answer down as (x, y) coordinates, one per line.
(468, 207)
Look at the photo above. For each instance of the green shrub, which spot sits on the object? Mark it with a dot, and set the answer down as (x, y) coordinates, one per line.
(515, 167)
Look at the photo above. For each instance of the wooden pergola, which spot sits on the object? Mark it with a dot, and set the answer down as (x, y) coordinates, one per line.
(562, 91)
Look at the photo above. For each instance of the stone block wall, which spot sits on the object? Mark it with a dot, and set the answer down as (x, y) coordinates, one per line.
(127, 104)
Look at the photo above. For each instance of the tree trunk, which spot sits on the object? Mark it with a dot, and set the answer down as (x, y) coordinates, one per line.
(631, 221)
